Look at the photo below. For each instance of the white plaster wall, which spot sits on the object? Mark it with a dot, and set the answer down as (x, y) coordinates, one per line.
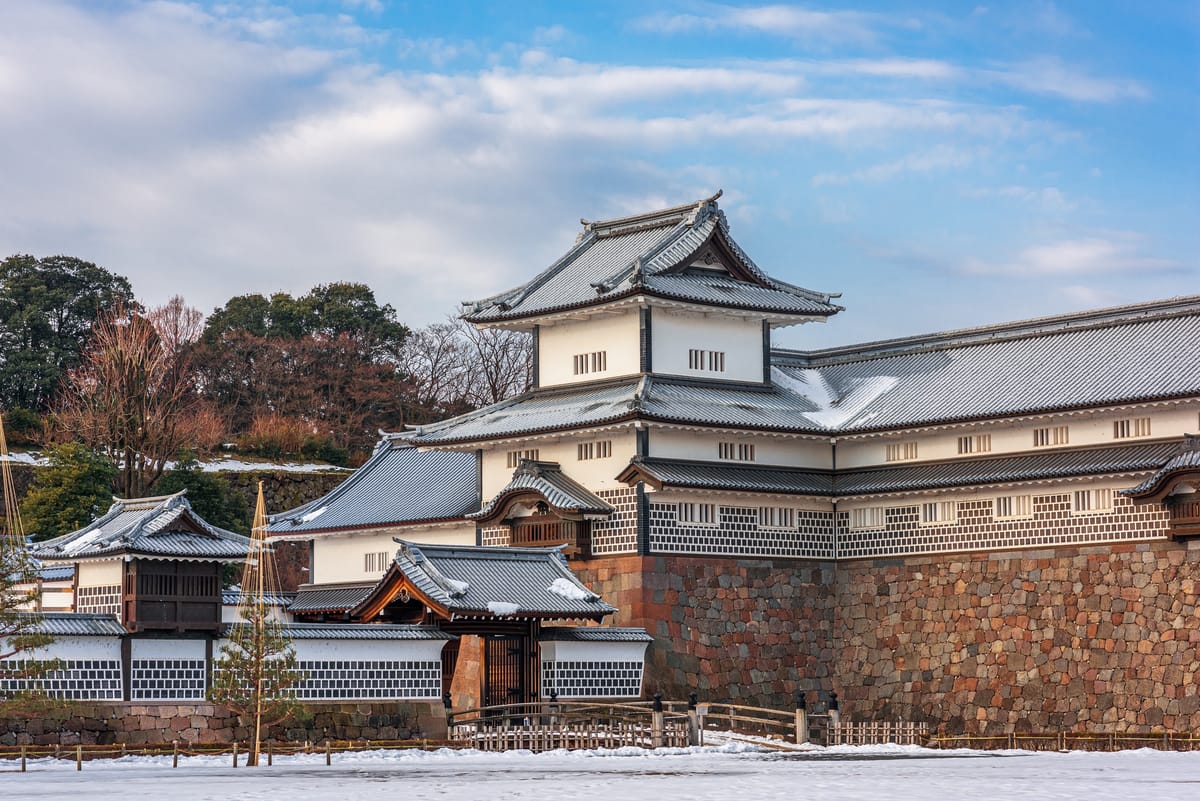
(768, 450)
(166, 649)
(747, 500)
(673, 334)
(595, 474)
(368, 650)
(76, 648)
(277, 614)
(593, 651)
(1017, 436)
(99, 574)
(340, 558)
(558, 343)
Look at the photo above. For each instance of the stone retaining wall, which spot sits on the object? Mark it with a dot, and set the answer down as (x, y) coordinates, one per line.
(1097, 638)
(105, 723)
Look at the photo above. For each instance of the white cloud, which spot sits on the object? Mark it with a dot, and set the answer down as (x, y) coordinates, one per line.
(935, 159)
(1100, 254)
(1051, 76)
(796, 22)
(1046, 198)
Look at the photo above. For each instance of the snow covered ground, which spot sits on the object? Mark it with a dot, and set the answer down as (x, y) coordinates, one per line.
(730, 773)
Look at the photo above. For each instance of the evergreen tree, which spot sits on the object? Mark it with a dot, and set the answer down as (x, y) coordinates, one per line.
(256, 671)
(20, 626)
(209, 494)
(73, 491)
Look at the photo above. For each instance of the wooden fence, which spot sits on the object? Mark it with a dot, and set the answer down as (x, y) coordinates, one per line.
(900, 732)
(19, 755)
(1070, 741)
(572, 725)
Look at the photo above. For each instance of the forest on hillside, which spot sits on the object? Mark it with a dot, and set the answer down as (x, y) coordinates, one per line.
(124, 398)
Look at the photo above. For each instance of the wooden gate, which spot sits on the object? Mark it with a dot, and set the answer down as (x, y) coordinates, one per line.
(506, 675)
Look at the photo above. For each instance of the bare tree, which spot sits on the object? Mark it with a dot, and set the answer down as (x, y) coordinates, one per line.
(133, 397)
(501, 362)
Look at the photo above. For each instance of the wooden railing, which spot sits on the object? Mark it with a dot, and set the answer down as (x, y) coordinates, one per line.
(546, 726)
(1070, 741)
(870, 732)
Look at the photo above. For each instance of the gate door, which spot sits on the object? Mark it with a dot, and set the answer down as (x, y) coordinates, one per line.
(506, 663)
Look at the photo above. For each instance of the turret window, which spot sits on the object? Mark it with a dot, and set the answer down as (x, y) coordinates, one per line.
(901, 451)
(515, 457)
(376, 562)
(736, 451)
(1054, 435)
(977, 443)
(594, 362)
(1131, 427)
(712, 361)
(600, 449)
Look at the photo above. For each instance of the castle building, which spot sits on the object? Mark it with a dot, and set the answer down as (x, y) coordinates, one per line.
(995, 527)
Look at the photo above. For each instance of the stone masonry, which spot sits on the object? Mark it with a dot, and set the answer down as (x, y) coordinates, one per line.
(161, 723)
(1095, 638)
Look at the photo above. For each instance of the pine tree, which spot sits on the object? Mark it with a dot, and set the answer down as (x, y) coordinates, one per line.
(20, 625)
(257, 669)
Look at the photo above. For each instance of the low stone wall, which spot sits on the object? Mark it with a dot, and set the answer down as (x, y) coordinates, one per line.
(1097, 638)
(105, 723)
(1102, 638)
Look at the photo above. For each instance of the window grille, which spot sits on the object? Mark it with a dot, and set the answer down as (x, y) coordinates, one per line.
(712, 361)
(376, 562)
(776, 517)
(1131, 427)
(901, 451)
(975, 443)
(698, 513)
(599, 449)
(938, 512)
(515, 457)
(1095, 500)
(594, 362)
(736, 451)
(1053, 435)
(1014, 506)
(866, 517)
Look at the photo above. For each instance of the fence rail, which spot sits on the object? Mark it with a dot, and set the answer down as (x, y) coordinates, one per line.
(547, 726)
(1070, 741)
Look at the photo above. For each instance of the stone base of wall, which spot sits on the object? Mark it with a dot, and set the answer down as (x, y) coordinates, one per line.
(105, 723)
(1097, 638)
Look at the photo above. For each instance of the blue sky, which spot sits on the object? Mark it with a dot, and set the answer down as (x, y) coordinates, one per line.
(941, 165)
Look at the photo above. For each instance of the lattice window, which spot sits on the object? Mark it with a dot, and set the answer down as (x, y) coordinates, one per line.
(1052, 435)
(369, 680)
(701, 514)
(598, 449)
(1131, 427)
(101, 600)
(594, 362)
(1011, 507)
(515, 457)
(735, 451)
(376, 562)
(866, 517)
(939, 512)
(776, 517)
(75, 679)
(975, 443)
(593, 679)
(901, 451)
(166, 679)
(1094, 500)
(712, 361)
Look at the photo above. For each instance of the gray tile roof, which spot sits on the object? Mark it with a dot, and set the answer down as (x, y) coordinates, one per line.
(78, 624)
(1072, 361)
(56, 572)
(312, 598)
(561, 492)
(398, 484)
(234, 597)
(164, 526)
(488, 582)
(650, 254)
(359, 631)
(726, 476)
(904, 477)
(1005, 469)
(1121, 355)
(1185, 460)
(593, 634)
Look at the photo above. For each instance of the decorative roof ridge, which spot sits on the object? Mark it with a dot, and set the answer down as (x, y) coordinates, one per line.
(650, 461)
(72, 615)
(684, 212)
(1068, 450)
(351, 481)
(487, 551)
(1109, 317)
(635, 269)
(335, 585)
(1185, 459)
(146, 504)
(429, 428)
(507, 299)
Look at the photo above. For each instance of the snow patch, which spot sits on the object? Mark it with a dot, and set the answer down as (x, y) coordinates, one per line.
(502, 608)
(313, 515)
(568, 589)
(832, 411)
(456, 587)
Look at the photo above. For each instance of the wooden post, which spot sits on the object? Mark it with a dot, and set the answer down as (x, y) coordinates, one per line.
(270, 755)
(79, 757)
(174, 753)
(235, 753)
(801, 726)
(328, 753)
(22, 759)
